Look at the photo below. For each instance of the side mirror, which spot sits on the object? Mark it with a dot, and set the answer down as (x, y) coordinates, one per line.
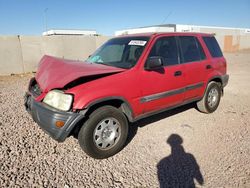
(154, 62)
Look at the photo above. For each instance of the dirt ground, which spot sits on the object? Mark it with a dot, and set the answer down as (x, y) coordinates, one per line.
(172, 149)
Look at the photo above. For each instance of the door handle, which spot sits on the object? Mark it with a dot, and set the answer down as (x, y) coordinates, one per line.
(208, 67)
(178, 73)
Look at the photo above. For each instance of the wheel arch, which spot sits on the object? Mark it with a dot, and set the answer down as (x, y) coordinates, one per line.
(217, 79)
(116, 101)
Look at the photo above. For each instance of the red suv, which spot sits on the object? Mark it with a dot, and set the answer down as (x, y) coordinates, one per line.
(128, 78)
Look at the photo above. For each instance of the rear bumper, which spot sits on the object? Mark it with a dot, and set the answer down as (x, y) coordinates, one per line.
(46, 117)
(225, 79)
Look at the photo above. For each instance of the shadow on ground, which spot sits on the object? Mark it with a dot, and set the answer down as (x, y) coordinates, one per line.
(179, 169)
(143, 122)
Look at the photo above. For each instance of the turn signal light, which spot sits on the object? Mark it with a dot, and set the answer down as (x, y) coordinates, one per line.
(59, 124)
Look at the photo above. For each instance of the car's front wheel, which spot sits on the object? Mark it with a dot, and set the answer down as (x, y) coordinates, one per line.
(104, 133)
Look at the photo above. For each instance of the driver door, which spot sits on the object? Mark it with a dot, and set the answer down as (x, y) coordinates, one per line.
(163, 87)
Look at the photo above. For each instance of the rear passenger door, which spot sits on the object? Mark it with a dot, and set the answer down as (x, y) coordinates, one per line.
(194, 61)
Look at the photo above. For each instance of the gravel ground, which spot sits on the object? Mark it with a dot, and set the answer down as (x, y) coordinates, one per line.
(176, 148)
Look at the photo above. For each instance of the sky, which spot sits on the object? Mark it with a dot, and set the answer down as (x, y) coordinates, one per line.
(29, 17)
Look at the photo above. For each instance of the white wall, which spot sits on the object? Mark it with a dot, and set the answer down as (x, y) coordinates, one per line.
(22, 54)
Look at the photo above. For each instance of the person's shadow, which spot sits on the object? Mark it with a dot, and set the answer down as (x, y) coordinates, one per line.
(179, 169)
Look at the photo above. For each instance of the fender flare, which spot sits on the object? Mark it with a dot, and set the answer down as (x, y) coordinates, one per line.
(210, 79)
(125, 106)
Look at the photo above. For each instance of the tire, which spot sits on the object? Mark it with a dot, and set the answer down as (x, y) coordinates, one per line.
(211, 99)
(105, 132)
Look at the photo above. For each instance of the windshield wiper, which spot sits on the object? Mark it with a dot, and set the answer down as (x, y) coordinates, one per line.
(102, 63)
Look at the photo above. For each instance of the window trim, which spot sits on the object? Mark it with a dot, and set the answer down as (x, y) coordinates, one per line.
(197, 44)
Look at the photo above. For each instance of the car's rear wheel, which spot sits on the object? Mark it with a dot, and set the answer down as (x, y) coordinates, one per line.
(211, 98)
(104, 133)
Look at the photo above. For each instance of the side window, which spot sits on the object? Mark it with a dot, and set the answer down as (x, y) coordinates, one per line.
(213, 46)
(190, 50)
(166, 47)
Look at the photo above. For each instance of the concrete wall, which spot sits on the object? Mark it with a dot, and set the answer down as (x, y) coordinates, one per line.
(233, 43)
(21, 54)
(31, 49)
(11, 60)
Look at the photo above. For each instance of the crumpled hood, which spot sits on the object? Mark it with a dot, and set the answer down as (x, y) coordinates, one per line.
(56, 72)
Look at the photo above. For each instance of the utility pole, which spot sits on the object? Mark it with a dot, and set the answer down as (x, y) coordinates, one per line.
(45, 19)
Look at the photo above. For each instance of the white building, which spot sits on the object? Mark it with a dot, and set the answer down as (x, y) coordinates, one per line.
(185, 28)
(230, 39)
(69, 32)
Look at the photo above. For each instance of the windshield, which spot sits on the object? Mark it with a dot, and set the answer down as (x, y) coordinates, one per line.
(120, 52)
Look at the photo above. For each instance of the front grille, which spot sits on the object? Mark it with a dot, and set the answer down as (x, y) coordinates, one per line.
(34, 88)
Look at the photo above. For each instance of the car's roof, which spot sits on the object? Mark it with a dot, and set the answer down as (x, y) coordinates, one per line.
(166, 33)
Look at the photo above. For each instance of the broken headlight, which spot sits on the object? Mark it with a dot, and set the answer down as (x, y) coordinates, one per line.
(59, 100)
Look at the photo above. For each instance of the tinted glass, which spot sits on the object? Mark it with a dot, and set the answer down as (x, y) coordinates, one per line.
(213, 46)
(189, 48)
(120, 52)
(202, 53)
(166, 48)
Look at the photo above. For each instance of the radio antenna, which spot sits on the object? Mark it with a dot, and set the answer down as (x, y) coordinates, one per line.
(165, 19)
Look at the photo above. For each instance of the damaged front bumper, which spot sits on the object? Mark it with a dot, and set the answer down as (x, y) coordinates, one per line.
(47, 117)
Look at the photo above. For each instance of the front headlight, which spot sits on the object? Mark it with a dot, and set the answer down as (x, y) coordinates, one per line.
(59, 100)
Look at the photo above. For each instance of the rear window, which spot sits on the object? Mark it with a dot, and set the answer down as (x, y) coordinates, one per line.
(213, 46)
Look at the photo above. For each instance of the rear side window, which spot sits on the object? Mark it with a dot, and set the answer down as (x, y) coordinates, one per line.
(213, 46)
(191, 49)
